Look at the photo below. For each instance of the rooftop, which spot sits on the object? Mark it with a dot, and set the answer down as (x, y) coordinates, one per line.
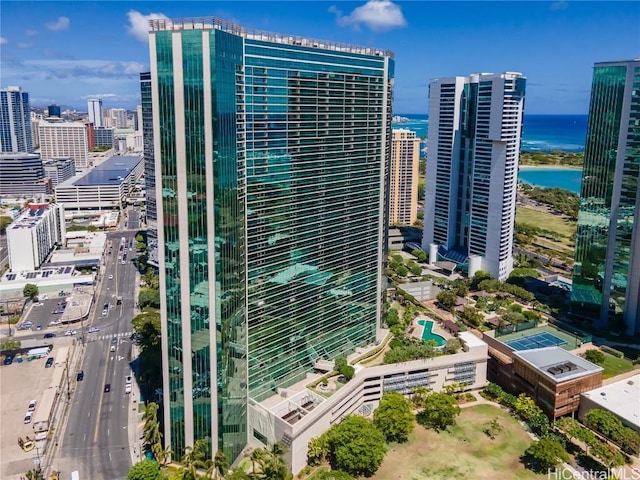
(621, 398)
(31, 216)
(557, 363)
(209, 23)
(110, 172)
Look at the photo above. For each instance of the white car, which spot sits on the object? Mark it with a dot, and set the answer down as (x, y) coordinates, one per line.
(127, 380)
(39, 304)
(44, 297)
(110, 277)
(93, 330)
(127, 388)
(32, 406)
(55, 322)
(69, 333)
(27, 417)
(113, 348)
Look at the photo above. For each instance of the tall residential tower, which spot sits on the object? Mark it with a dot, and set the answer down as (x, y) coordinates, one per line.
(271, 177)
(94, 105)
(403, 199)
(475, 127)
(15, 121)
(606, 279)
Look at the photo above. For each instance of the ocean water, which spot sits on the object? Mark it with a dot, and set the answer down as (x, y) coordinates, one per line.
(540, 133)
(567, 178)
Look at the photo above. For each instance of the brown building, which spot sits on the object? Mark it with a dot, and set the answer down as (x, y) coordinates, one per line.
(403, 197)
(554, 378)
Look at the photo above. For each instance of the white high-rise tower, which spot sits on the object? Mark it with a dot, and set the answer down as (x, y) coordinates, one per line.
(95, 112)
(475, 127)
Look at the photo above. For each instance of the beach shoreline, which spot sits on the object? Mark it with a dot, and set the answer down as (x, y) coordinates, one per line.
(549, 167)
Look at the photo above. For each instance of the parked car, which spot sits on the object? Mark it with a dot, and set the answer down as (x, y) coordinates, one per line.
(107, 388)
(49, 363)
(27, 417)
(49, 335)
(80, 376)
(127, 380)
(39, 327)
(127, 388)
(8, 360)
(55, 322)
(32, 406)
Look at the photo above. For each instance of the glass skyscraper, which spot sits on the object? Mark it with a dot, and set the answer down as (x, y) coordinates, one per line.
(272, 184)
(15, 121)
(606, 280)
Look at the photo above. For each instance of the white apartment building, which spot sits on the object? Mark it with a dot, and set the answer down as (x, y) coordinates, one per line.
(94, 107)
(65, 140)
(32, 236)
(475, 127)
(403, 197)
(117, 118)
(59, 170)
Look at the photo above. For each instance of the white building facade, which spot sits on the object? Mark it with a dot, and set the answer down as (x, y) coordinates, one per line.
(65, 140)
(59, 170)
(94, 107)
(475, 127)
(33, 235)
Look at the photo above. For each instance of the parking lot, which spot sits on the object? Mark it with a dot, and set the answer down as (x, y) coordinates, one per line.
(20, 383)
(43, 314)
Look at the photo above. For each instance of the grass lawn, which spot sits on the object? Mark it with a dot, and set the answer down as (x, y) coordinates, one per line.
(548, 221)
(615, 366)
(464, 452)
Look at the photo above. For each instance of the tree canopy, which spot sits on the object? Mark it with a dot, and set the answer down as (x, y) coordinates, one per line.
(545, 454)
(145, 470)
(30, 291)
(437, 410)
(394, 417)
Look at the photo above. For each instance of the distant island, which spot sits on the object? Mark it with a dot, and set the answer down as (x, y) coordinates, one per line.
(399, 119)
(557, 157)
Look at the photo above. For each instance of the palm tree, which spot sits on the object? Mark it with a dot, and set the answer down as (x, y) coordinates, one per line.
(219, 466)
(258, 456)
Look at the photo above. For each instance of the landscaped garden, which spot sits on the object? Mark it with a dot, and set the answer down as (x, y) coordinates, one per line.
(465, 451)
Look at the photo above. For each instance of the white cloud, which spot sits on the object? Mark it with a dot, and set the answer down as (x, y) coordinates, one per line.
(24, 45)
(377, 15)
(67, 69)
(30, 32)
(61, 24)
(139, 24)
(112, 97)
(561, 5)
(3, 41)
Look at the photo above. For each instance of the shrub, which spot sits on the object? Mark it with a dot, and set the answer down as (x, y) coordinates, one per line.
(594, 356)
(612, 351)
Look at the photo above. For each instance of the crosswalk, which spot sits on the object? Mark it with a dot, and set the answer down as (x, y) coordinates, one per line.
(95, 338)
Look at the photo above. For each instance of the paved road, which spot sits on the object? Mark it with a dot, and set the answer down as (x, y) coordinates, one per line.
(95, 441)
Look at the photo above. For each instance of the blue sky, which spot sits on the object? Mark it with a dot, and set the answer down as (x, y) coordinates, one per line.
(68, 51)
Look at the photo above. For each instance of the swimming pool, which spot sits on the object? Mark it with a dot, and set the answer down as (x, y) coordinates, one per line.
(427, 333)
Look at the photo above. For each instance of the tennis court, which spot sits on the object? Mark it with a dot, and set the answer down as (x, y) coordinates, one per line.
(536, 340)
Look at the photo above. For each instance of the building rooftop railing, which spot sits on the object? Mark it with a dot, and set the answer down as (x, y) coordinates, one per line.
(205, 23)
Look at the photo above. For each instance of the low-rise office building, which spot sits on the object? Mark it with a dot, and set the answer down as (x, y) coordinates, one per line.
(34, 234)
(621, 398)
(105, 187)
(49, 281)
(59, 170)
(299, 413)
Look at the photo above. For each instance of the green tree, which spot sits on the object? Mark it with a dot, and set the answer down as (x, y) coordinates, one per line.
(339, 363)
(526, 407)
(195, 458)
(392, 317)
(545, 454)
(452, 345)
(9, 345)
(147, 326)
(478, 277)
(394, 417)
(419, 254)
(149, 298)
(492, 428)
(332, 475)
(402, 271)
(30, 291)
(237, 474)
(447, 299)
(318, 450)
(460, 287)
(607, 454)
(595, 356)
(416, 269)
(472, 315)
(347, 372)
(145, 470)
(438, 411)
(356, 446)
(604, 422)
(4, 223)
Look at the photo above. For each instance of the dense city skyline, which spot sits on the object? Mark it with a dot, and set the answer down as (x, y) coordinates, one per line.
(554, 44)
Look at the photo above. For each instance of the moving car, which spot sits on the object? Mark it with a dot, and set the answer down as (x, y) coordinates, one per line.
(55, 322)
(93, 330)
(49, 335)
(27, 417)
(114, 339)
(107, 388)
(110, 277)
(49, 362)
(32, 406)
(69, 333)
(113, 348)
(80, 376)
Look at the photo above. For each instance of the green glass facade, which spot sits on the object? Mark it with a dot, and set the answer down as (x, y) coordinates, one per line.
(273, 183)
(605, 284)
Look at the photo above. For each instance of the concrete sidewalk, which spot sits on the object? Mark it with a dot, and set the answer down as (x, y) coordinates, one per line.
(135, 424)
